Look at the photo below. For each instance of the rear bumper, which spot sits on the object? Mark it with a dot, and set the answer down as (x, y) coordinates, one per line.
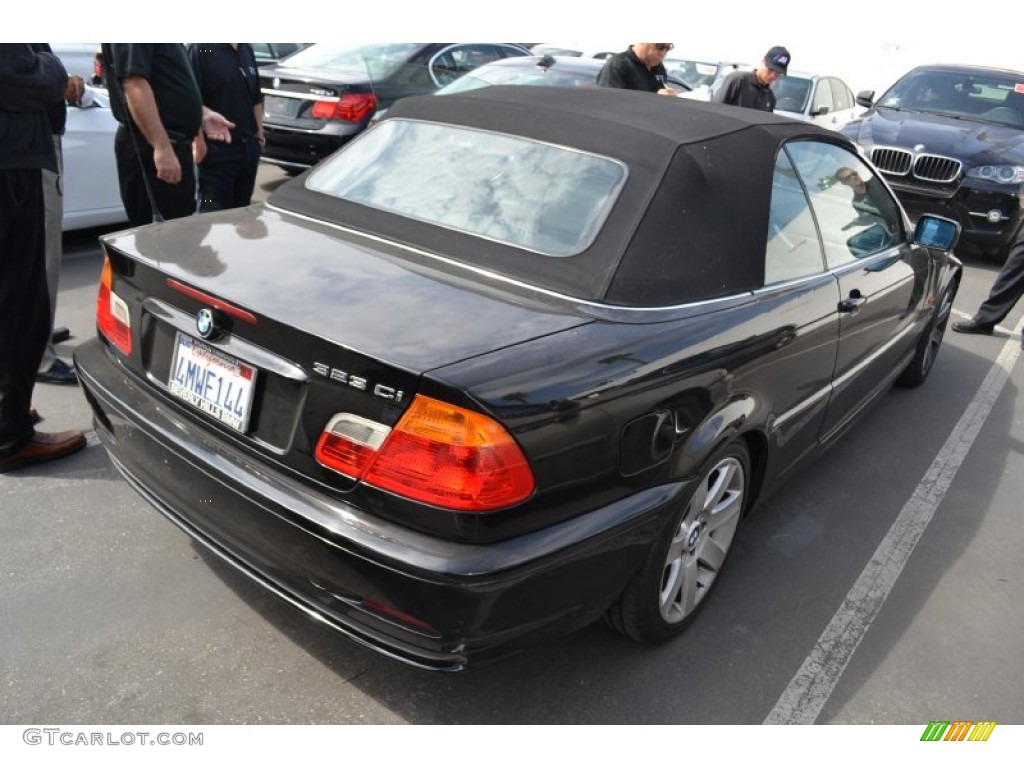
(292, 148)
(472, 602)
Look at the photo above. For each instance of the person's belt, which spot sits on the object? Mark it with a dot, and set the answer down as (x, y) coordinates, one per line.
(177, 137)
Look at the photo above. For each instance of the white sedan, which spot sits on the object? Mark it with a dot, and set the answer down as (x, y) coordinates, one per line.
(822, 99)
(92, 197)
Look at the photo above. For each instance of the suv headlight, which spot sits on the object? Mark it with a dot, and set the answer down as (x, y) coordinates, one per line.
(1000, 174)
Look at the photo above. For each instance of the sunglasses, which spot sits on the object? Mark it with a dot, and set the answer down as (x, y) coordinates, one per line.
(845, 178)
(664, 46)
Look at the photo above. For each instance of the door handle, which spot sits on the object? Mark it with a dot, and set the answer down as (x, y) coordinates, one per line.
(853, 304)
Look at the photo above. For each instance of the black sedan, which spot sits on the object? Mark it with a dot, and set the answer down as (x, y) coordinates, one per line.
(950, 140)
(326, 94)
(483, 376)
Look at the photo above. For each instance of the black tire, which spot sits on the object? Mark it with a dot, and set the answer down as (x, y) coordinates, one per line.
(679, 572)
(928, 345)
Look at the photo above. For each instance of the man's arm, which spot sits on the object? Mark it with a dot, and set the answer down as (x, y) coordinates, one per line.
(30, 81)
(142, 105)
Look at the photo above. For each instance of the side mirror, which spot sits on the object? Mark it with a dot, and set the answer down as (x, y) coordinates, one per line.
(936, 232)
(865, 98)
(818, 111)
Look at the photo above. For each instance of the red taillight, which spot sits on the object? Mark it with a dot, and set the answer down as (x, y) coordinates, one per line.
(112, 312)
(438, 453)
(351, 107)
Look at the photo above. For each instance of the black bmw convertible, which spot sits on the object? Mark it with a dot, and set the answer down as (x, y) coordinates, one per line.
(512, 361)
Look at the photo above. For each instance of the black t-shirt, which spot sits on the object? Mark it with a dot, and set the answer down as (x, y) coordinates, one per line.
(625, 70)
(228, 82)
(742, 89)
(166, 67)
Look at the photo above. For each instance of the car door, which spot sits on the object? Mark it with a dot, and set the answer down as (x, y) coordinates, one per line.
(799, 290)
(820, 106)
(880, 275)
(845, 106)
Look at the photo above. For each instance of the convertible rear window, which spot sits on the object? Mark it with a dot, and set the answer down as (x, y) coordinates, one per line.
(546, 198)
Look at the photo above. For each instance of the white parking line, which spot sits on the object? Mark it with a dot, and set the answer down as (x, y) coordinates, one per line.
(812, 685)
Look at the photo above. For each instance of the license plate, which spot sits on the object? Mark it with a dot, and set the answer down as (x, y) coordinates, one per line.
(281, 106)
(212, 382)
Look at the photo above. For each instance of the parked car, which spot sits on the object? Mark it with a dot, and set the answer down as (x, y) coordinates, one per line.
(92, 194)
(326, 94)
(950, 140)
(522, 375)
(822, 99)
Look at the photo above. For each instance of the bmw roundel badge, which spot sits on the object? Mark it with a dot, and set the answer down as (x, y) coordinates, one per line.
(206, 324)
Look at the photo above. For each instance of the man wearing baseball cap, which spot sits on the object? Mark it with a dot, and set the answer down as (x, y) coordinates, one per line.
(754, 89)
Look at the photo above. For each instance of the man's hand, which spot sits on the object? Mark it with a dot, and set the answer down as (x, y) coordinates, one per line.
(669, 91)
(216, 126)
(167, 166)
(75, 90)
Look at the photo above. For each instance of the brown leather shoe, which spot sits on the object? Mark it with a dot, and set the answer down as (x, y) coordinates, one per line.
(44, 446)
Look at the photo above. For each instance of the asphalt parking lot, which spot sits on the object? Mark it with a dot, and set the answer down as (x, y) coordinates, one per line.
(883, 585)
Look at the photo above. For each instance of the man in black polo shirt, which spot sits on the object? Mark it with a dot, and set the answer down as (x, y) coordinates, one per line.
(229, 83)
(638, 68)
(155, 98)
(754, 89)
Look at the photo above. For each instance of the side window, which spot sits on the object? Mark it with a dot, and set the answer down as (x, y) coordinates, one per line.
(793, 248)
(841, 95)
(459, 59)
(822, 97)
(856, 214)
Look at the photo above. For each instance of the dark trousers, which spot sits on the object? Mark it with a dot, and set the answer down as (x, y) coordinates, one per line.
(227, 175)
(24, 302)
(1008, 287)
(174, 200)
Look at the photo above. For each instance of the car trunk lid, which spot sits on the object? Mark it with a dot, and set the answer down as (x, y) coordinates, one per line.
(315, 321)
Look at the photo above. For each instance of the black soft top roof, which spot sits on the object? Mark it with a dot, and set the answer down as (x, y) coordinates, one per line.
(690, 223)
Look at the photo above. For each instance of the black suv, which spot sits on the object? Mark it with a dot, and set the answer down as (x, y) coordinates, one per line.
(950, 140)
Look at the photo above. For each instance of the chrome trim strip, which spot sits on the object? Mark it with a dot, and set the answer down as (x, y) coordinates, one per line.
(803, 405)
(300, 96)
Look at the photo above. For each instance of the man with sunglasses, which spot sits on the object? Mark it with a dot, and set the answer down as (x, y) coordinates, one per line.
(754, 89)
(638, 68)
